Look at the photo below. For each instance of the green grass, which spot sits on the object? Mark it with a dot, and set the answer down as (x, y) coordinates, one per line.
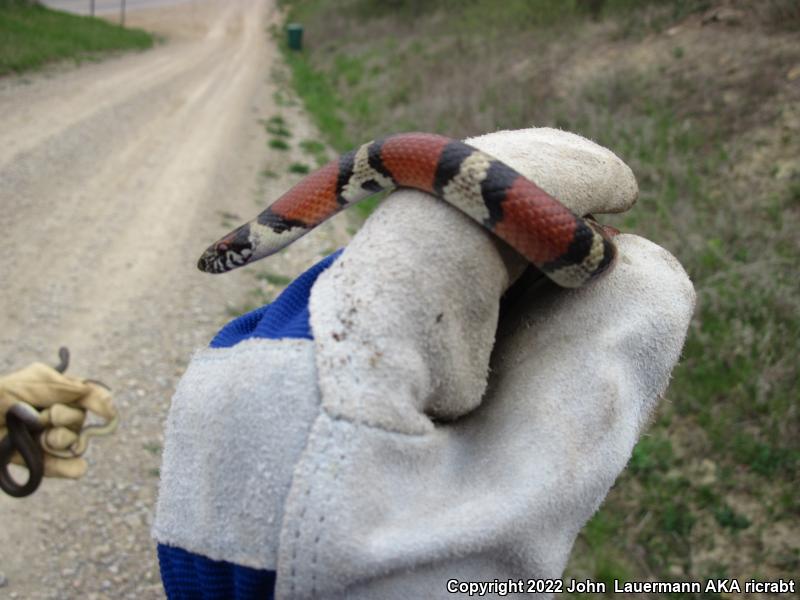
(731, 401)
(717, 473)
(32, 35)
(318, 98)
(299, 168)
(278, 144)
(276, 126)
(312, 146)
(316, 149)
(153, 448)
(275, 279)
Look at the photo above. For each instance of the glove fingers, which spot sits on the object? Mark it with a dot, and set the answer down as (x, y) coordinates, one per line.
(410, 355)
(584, 176)
(63, 401)
(65, 468)
(98, 400)
(388, 354)
(60, 438)
(41, 386)
(576, 375)
(60, 415)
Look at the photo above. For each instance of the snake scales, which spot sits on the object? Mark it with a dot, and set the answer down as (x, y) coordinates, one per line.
(570, 250)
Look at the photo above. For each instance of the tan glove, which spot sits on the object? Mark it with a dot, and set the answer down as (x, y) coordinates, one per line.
(63, 402)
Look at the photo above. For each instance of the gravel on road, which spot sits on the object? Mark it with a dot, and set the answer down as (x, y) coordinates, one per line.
(114, 177)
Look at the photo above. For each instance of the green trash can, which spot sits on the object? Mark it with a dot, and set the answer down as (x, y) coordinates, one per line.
(295, 33)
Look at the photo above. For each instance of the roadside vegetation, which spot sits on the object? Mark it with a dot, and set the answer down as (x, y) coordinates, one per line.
(702, 99)
(32, 35)
(290, 155)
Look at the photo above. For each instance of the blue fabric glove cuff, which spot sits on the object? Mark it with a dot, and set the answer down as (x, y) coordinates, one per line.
(187, 575)
(286, 317)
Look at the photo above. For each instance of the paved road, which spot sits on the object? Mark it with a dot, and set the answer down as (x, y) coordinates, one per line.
(114, 177)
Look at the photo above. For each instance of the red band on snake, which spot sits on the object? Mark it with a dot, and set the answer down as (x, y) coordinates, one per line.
(570, 250)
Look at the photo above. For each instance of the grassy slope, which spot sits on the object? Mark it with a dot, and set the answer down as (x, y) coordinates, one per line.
(707, 116)
(32, 35)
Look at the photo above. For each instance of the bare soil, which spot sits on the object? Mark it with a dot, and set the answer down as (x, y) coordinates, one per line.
(114, 177)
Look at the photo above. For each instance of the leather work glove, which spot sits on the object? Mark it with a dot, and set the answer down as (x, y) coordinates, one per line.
(384, 427)
(62, 402)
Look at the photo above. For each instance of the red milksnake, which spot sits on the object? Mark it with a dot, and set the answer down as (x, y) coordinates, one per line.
(570, 250)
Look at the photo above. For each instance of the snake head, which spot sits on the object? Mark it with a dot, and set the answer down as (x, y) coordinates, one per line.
(232, 251)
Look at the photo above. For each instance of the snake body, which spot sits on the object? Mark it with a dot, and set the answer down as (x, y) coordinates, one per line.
(570, 250)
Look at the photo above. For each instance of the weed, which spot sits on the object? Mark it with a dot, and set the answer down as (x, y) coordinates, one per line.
(349, 69)
(312, 146)
(153, 447)
(278, 144)
(276, 125)
(299, 168)
(366, 207)
(274, 278)
(727, 517)
(608, 570)
(316, 149)
(256, 300)
(278, 130)
(281, 98)
(651, 457)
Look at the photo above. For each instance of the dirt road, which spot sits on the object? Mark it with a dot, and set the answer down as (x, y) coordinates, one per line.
(114, 177)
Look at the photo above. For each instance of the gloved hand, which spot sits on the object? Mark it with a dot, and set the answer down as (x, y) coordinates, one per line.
(399, 433)
(63, 402)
